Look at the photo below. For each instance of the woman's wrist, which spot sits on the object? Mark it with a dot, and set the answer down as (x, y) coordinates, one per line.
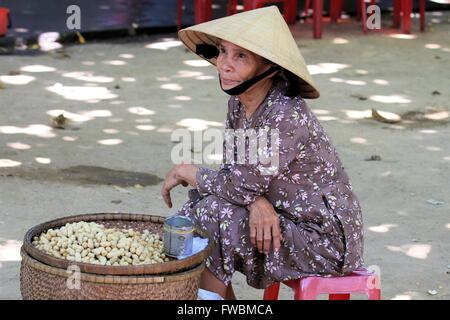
(256, 203)
(187, 172)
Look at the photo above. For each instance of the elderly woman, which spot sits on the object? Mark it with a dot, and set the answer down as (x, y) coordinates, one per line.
(302, 219)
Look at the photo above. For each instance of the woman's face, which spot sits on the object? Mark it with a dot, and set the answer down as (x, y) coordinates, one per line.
(236, 65)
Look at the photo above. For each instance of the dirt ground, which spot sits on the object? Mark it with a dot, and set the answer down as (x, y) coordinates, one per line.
(127, 97)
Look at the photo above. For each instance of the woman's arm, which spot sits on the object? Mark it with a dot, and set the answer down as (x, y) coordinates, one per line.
(185, 174)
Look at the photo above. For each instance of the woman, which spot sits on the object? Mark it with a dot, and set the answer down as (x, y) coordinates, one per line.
(302, 219)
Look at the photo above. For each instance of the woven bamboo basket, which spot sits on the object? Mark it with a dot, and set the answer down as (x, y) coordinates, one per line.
(46, 277)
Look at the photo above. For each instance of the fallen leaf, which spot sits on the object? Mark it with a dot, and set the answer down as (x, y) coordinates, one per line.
(435, 93)
(60, 121)
(435, 202)
(2, 85)
(116, 201)
(373, 158)
(138, 186)
(432, 292)
(359, 96)
(386, 117)
(14, 73)
(60, 54)
(122, 190)
(80, 38)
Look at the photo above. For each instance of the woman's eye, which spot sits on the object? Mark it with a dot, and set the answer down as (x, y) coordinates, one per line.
(241, 55)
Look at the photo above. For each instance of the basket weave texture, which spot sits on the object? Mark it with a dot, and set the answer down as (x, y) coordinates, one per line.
(45, 277)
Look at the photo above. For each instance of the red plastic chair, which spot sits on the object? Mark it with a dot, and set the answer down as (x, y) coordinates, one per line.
(338, 288)
(335, 13)
(203, 9)
(5, 21)
(402, 11)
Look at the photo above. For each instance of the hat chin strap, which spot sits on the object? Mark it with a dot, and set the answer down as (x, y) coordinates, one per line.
(241, 88)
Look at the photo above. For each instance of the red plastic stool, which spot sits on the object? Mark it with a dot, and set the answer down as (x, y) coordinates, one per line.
(403, 9)
(5, 21)
(338, 288)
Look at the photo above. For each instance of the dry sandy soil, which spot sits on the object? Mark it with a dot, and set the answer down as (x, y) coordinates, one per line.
(128, 97)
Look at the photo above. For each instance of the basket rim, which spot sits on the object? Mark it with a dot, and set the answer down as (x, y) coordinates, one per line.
(110, 279)
(143, 269)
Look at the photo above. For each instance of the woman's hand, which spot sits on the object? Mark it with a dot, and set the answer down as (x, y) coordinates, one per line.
(264, 226)
(183, 174)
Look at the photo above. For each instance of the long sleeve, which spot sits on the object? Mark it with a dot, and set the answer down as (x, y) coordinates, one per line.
(241, 184)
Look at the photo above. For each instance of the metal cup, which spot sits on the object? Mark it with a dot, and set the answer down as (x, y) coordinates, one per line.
(178, 236)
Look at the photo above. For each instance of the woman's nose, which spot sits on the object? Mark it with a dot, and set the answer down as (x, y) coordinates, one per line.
(223, 64)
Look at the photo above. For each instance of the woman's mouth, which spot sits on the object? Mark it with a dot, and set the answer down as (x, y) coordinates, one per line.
(228, 82)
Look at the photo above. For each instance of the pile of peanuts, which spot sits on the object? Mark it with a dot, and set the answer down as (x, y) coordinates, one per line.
(94, 243)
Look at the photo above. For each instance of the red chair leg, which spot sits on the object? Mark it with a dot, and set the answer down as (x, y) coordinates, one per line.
(179, 14)
(290, 8)
(271, 293)
(396, 13)
(362, 6)
(343, 296)
(340, 7)
(232, 4)
(358, 10)
(203, 10)
(335, 10)
(305, 289)
(422, 15)
(208, 10)
(249, 5)
(406, 18)
(317, 18)
(374, 294)
(199, 11)
(306, 9)
(333, 13)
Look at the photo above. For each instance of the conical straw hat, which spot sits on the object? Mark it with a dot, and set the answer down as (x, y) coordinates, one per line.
(261, 31)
